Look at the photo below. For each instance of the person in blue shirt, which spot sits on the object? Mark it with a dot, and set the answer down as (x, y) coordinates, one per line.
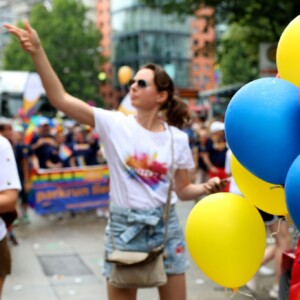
(42, 144)
(60, 156)
(84, 148)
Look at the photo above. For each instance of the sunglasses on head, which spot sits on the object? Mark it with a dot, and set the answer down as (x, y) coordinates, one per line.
(141, 83)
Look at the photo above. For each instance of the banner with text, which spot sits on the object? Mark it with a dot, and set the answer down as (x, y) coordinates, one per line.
(69, 189)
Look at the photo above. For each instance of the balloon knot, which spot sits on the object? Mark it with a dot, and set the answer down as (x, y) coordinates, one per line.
(238, 291)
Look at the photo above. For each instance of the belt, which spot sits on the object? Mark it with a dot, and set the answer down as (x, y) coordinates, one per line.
(137, 220)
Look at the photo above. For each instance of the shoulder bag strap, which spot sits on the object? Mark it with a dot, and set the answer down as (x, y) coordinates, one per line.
(168, 203)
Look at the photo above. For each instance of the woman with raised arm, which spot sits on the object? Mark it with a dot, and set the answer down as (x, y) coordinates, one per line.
(138, 152)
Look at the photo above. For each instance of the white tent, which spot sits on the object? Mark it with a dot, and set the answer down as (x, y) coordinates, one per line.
(125, 106)
(13, 81)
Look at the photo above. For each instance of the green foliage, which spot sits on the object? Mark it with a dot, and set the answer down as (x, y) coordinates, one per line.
(71, 42)
(249, 23)
(245, 12)
(181, 7)
(237, 57)
(14, 59)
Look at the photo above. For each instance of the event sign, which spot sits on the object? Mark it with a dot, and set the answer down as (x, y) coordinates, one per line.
(69, 189)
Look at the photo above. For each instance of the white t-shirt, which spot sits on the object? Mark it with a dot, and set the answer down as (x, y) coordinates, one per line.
(233, 188)
(9, 177)
(140, 160)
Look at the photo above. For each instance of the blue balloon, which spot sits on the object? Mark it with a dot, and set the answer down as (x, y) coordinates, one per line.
(262, 126)
(292, 192)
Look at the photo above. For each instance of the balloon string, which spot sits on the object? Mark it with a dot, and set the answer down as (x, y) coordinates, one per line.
(290, 221)
(237, 291)
(278, 228)
(276, 187)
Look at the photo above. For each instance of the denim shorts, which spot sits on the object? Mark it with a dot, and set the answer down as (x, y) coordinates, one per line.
(142, 230)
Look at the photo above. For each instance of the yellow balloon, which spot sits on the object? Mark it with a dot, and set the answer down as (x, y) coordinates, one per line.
(125, 74)
(288, 49)
(266, 196)
(226, 238)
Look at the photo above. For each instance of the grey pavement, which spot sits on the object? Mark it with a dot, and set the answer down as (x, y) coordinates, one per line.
(62, 260)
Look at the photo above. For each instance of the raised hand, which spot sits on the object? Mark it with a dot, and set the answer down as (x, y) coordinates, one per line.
(28, 37)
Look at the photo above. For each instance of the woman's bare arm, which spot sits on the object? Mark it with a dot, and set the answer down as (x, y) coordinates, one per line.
(186, 190)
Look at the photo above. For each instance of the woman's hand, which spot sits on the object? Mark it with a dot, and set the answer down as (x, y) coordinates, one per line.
(214, 185)
(28, 37)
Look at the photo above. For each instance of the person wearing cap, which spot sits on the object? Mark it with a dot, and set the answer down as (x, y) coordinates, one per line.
(217, 127)
(214, 156)
(84, 146)
(60, 156)
(42, 144)
(201, 174)
(24, 159)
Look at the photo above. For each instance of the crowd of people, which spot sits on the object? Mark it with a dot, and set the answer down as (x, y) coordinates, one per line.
(66, 144)
(70, 144)
(144, 153)
(46, 145)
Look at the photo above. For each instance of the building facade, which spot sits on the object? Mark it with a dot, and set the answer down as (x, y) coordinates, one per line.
(134, 35)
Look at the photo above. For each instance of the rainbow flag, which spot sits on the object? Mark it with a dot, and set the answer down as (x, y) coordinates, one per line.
(29, 133)
(64, 152)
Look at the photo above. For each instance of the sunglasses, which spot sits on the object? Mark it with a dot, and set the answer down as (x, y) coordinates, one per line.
(141, 83)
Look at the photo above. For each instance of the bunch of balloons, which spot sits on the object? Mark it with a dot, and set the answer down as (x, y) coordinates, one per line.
(262, 125)
(225, 233)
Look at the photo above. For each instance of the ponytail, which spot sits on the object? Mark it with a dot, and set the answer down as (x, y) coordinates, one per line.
(177, 113)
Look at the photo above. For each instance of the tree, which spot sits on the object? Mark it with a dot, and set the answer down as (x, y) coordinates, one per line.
(237, 58)
(248, 22)
(273, 14)
(71, 42)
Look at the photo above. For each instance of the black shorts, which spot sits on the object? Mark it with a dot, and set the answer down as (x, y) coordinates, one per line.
(5, 258)
(23, 195)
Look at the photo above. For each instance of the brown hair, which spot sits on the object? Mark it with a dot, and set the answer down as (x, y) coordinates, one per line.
(176, 111)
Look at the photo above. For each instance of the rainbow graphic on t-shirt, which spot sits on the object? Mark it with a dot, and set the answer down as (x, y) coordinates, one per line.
(146, 168)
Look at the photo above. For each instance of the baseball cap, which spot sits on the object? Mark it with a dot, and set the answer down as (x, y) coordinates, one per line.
(216, 126)
(44, 121)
